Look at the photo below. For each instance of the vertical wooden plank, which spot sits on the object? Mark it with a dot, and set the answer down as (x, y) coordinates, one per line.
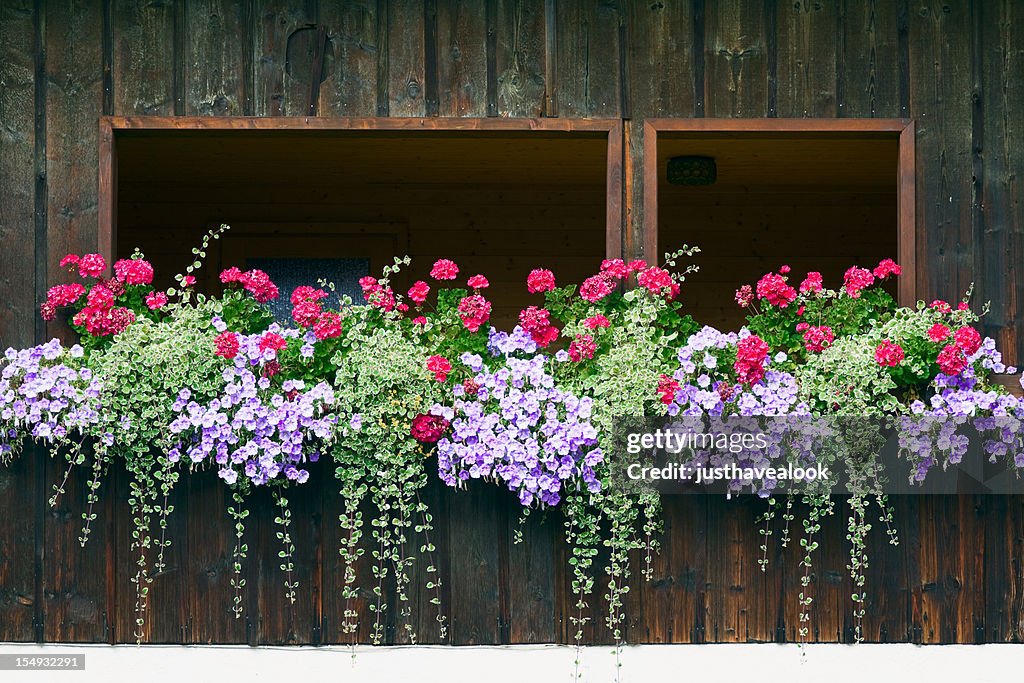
(17, 182)
(17, 538)
(868, 65)
(661, 84)
(74, 99)
(475, 533)
(461, 58)
(283, 622)
(1002, 71)
(207, 568)
(532, 574)
(406, 63)
(519, 57)
(588, 65)
(275, 92)
(736, 609)
(806, 53)
(73, 581)
(940, 100)
(661, 79)
(674, 599)
(217, 82)
(1004, 570)
(887, 585)
(351, 85)
(736, 56)
(143, 68)
(949, 571)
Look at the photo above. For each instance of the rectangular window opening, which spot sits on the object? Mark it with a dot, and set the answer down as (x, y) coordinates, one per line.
(816, 195)
(341, 198)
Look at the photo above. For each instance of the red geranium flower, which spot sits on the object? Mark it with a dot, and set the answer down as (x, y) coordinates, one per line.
(667, 388)
(889, 354)
(951, 360)
(156, 300)
(478, 282)
(938, 332)
(540, 280)
(428, 428)
(91, 265)
(444, 269)
(418, 292)
(327, 326)
(968, 339)
(886, 268)
(857, 279)
(474, 311)
(227, 345)
(440, 366)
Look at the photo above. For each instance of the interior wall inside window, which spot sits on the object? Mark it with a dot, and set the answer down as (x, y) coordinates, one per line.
(813, 202)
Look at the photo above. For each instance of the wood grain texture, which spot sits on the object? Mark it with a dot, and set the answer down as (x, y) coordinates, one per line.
(941, 106)
(956, 67)
(74, 586)
(217, 58)
(351, 85)
(143, 68)
(17, 182)
(461, 58)
(868, 67)
(1002, 122)
(589, 75)
(519, 59)
(277, 92)
(736, 54)
(806, 59)
(406, 59)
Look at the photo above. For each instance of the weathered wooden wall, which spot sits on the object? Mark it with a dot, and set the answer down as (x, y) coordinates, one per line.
(956, 67)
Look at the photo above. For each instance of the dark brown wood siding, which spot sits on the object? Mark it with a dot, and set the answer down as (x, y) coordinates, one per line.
(956, 67)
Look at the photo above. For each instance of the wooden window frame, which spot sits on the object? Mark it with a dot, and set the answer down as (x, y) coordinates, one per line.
(903, 129)
(111, 126)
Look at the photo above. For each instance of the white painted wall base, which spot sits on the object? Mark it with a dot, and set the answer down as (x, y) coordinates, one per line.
(532, 664)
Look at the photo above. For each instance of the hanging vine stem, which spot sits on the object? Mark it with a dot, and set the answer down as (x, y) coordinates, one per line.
(622, 539)
(433, 575)
(652, 526)
(766, 533)
(582, 536)
(168, 477)
(380, 570)
(821, 505)
(886, 517)
(139, 500)
(240, 551)
(73, 461)
(401, 563)
(284, 519)
(787, 517)
(99, 468)
(858, 529)
(351, 521)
